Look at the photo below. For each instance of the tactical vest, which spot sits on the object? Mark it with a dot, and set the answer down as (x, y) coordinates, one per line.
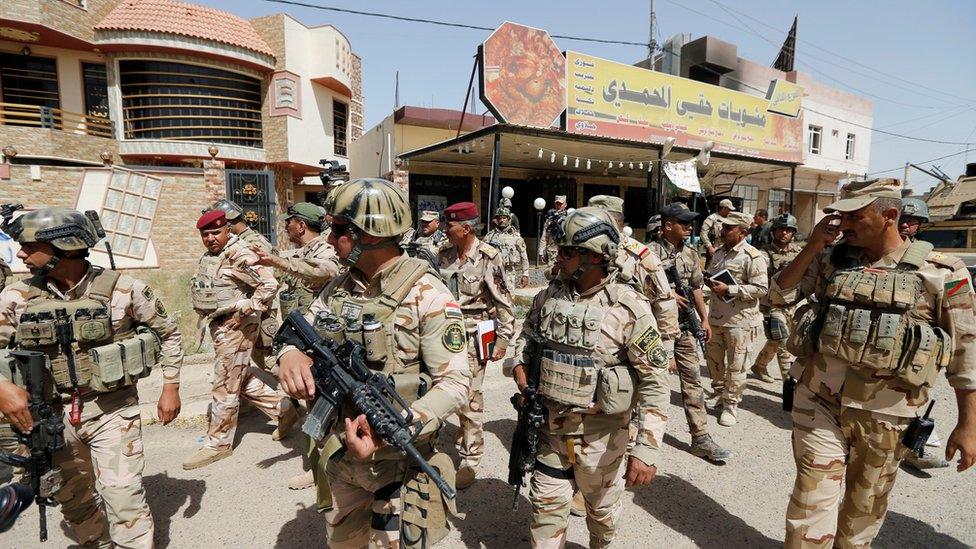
(870, 319)
(105, 360)
(210, 292)
(575, 372)
(372, 323)
(504, 242)
(296, 296)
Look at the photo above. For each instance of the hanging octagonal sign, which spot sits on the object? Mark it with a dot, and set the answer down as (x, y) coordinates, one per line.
(523, 76)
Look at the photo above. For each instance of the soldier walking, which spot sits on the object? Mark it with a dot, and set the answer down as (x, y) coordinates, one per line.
(547, 247)
(476, 270)
(778, 254)
(420, 342)
(596, 330)
(505, 238)
(734, 313)
(230, 292)
(711, 229)
(673, 250)
(102, 498)
(886, 316)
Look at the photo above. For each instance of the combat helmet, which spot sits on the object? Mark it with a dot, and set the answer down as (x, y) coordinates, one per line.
(65, 229)
(784, 220)
(231, 210)
(503, 211)
(376, 207)
(915, 207)
(590, 228)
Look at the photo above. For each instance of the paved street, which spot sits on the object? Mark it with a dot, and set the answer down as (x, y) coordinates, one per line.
(242, 501)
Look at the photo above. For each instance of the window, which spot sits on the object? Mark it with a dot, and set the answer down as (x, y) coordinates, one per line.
(128, 212)
(778, 202)
(31, 82)
(340, 118)
(849, 152)
(176, 101)
(749, 195)
(814, 134)
(96, 89)
(945, 238)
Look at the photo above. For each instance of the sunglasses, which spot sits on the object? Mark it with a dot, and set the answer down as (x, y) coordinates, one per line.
(567, 252)
(339, 229)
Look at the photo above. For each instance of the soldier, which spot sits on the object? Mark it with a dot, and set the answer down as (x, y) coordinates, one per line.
(476, 270)
(421, 342)
(102, 498)
(653, 229)
(890, 314)
(638, 266)
(711, 228)
(506, 239)
(760, 235)
(778, 254)
(261, 351)
(673, 250)
(547, 248)
(308, 267)
(734, 313)
(230, 292)
(430, 237)
(597, 330)
(914, 213)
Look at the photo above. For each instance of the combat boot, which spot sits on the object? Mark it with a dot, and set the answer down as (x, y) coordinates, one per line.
(578, 509)
(302, 481)
(465, 477)
(287, 420)
(930, 461)
(205, 456)
(762, 375)
(704, 447)
(727, 419)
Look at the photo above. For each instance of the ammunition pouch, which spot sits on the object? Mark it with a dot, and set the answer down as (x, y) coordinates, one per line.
(110, 367)
(569, 379)
(209, 294)
(616, 392)
(300, 298)
(423, 520)
(776, 325)
(90, 319)
(927, 350)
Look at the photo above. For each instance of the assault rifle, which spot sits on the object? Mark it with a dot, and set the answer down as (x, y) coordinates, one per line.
(531, 415)
(64, 333)
(688, 316)
(45, 438)
(7, 214)
(341, 374)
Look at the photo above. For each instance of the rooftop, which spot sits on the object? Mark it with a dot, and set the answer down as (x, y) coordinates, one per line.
(171, 17)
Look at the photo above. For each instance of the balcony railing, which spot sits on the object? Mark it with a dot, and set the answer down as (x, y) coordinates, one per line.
(16, 114)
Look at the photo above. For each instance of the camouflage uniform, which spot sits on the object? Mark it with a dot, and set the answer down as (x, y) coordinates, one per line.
(250, 286)
(432, 243)
(548, 247)
(483, 294)
(268, 325)
(511, 245)
(735, 325)
(776, 260)
(710, 232)
(306, 271)
(854, 400)
(102, 497)
(583, 446)
(688, 265)
(641, 268)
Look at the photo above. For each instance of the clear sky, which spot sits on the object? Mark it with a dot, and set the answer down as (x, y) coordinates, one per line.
(913, 59)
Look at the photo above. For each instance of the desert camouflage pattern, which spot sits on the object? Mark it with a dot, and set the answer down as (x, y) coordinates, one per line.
(511, 246)
(548, 247)
(424, 318)
(711, 231)
(688, 266)
(776, 259)
(253, 238)
(640, 267)
(848, 420)
(307, 270)
(26, 228)
(831, 378)
(588, 441)
(376, 206)
(432, 243)
(483, 294)
(233, 347)
(736, 326)
(5, 274)
(261, 353)
(832, 443)
(102, 497)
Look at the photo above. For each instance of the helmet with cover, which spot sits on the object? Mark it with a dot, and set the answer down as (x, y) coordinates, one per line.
(915, 207)
(784, 221)
(590, 228)
(376, 207)
(65, 229)
(231, 210)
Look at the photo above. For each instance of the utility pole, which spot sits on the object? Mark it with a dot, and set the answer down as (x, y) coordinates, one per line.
(904, 184)
(651, 43)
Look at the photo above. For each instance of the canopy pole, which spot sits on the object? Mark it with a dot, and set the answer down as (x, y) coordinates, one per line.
(493, 190)
(792, 187)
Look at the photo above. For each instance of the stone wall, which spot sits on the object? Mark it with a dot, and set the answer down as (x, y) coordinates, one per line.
(66, 145)
(357, 111)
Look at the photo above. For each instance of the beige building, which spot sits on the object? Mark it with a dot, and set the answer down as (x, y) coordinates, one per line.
(148, 110)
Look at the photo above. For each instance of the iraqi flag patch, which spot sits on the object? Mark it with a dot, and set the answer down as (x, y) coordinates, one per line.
(958, 287)
(452, 310)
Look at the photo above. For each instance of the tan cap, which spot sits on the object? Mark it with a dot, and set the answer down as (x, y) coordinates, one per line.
(612, 204)
(726, 203)
(858, 194)
(737, 218)
(429, 215)
(561, 198)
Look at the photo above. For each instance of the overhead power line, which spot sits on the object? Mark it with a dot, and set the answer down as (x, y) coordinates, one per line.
(444, 23)
(923, 162)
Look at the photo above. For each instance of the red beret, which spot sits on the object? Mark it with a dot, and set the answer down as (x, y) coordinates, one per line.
(462, 211)
(212, 220)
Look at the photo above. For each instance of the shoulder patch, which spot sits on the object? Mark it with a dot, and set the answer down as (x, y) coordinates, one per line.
(147, 292)
(160, 309)
(452, 310)
(454, 337)
(958, 287)
(648, 343)
(488, 250)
